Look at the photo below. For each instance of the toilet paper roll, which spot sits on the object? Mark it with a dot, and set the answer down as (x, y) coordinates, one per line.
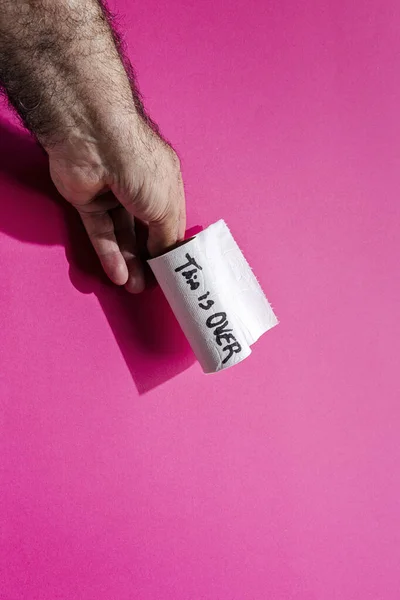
(215, 297)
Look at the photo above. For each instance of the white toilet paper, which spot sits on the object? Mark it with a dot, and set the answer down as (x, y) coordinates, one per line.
(215, 297)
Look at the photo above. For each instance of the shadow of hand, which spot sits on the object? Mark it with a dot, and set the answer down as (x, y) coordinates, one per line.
(148, 335)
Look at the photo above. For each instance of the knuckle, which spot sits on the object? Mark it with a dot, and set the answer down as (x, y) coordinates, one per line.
(106, 234)
(176, 162)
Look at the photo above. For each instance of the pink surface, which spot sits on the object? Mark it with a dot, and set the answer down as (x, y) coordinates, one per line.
(126, 474)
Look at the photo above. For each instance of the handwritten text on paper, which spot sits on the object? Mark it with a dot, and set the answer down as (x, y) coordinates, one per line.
(217, 321)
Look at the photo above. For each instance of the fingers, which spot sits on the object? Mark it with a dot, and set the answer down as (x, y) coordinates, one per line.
(100, 228)
(163, 234)
(182, 210)
(166, 231)
(125, 233)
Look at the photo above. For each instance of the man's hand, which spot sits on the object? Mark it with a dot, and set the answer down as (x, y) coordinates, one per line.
(63, 69)
(112, 180)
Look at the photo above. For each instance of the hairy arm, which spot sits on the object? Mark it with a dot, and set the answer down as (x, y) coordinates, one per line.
(63, 69)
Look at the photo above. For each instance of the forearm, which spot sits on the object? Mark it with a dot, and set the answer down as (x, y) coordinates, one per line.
(61, 68)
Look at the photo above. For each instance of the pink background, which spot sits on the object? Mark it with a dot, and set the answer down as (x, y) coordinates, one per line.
(126, 474)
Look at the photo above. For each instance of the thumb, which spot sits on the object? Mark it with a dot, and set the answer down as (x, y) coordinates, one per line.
(163, 234)
(170, 228)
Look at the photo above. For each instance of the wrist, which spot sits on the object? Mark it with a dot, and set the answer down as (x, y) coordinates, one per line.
(66, 73)
(105, 147)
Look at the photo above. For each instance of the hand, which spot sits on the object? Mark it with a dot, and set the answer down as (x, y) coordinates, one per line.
(111, 178)
(63, 68)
